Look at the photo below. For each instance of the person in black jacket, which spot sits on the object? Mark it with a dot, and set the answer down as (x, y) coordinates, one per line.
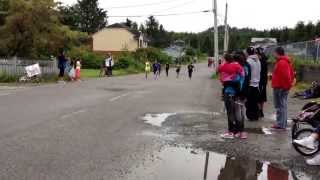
(263, 78)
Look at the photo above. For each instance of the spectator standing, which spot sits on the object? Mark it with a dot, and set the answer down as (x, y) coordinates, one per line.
(103, 69)
(167, 69)
(109, 64)
(62, 63)
(231, 74)
(71, 70)
(78, 70)
(240, 57)
(263, 79)
(253, 97)
(282, 81)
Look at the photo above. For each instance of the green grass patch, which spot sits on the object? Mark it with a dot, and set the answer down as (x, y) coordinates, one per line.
(95, 73)
(4, 78)
(215, 76)
(301, 86)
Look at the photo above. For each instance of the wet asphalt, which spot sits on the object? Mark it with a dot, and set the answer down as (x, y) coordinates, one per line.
(96, 130)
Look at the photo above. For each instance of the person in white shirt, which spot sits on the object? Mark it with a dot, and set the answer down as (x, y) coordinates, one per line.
(253, 98)
(109, 64)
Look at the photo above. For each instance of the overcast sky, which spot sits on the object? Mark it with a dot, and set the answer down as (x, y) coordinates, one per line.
(259, 14)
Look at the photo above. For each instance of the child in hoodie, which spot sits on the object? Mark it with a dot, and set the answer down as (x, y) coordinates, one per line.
(232, 76)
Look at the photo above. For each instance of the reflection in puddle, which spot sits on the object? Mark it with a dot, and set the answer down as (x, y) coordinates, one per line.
(170, 136)
(180, 163)
(156, 119)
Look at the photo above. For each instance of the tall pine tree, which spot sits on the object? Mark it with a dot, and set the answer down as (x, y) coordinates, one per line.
(85, 16)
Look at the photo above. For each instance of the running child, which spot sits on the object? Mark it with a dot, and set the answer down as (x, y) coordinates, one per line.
(190, 70)
(178, 68)
(147, 68)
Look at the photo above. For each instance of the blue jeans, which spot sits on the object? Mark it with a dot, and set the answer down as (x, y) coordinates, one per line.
(281, 104)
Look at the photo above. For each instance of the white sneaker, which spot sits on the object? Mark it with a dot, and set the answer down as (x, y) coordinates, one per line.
(314, 161)
(307, 142)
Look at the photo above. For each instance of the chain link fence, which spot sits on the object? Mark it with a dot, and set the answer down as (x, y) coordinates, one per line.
(308, 50)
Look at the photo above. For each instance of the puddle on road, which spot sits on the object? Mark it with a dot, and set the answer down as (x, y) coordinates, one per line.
(181, 163)
(170, 136)
(156, 119)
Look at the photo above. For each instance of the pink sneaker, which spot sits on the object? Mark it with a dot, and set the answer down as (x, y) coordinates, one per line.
(237, 135)
(243, 135)
(227, 135)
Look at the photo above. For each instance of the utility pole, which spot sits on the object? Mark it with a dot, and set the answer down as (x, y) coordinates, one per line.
(226, 31)
(216, 33)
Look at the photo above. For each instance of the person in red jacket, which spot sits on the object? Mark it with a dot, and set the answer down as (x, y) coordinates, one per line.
(282, 82)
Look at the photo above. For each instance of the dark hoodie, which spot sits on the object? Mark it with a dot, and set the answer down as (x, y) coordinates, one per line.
(283, 75)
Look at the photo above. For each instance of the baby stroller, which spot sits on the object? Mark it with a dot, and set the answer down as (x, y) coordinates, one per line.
(304, 125)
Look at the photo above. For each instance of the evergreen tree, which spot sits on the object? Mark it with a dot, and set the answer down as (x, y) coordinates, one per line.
(4, 7)
(85, 16)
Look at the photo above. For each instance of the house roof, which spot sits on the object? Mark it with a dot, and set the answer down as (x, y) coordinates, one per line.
(136, 33)
(123, 26)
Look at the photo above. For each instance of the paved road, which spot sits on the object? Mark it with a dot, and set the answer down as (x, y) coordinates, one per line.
(91, 130)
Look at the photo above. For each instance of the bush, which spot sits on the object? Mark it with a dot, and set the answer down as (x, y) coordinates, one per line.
(90, 60)
(186, 59)
(126, 60)
(191, 52)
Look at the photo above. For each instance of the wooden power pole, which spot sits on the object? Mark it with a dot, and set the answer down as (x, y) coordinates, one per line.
(226, 31)
(216, 32)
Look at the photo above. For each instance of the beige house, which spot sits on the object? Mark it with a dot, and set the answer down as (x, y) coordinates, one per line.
(117, 38)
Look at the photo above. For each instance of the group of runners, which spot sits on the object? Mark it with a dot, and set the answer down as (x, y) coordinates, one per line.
(156, 68)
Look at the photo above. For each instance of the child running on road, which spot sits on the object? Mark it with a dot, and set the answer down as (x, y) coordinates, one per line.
(178, 68)
(147, 68)
(232, 75)
(156, 69)
(190, 70)
(167, 69)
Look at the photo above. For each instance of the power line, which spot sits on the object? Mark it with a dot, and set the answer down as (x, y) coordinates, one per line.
(159, 15)
(174, 7)
(141, 5)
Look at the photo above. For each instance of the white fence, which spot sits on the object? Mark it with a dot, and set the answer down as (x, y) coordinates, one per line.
(16, 66)
(308, 50)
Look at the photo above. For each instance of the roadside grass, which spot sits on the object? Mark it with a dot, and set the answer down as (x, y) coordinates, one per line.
(4, 78)
(215, 76)
(301, 86)
(95, 73)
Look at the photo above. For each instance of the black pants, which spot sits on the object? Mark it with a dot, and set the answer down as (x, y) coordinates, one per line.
(167, 72)
(190, 74)
(61, 72)
(109, 71)
(235, 113)
(252, 104)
